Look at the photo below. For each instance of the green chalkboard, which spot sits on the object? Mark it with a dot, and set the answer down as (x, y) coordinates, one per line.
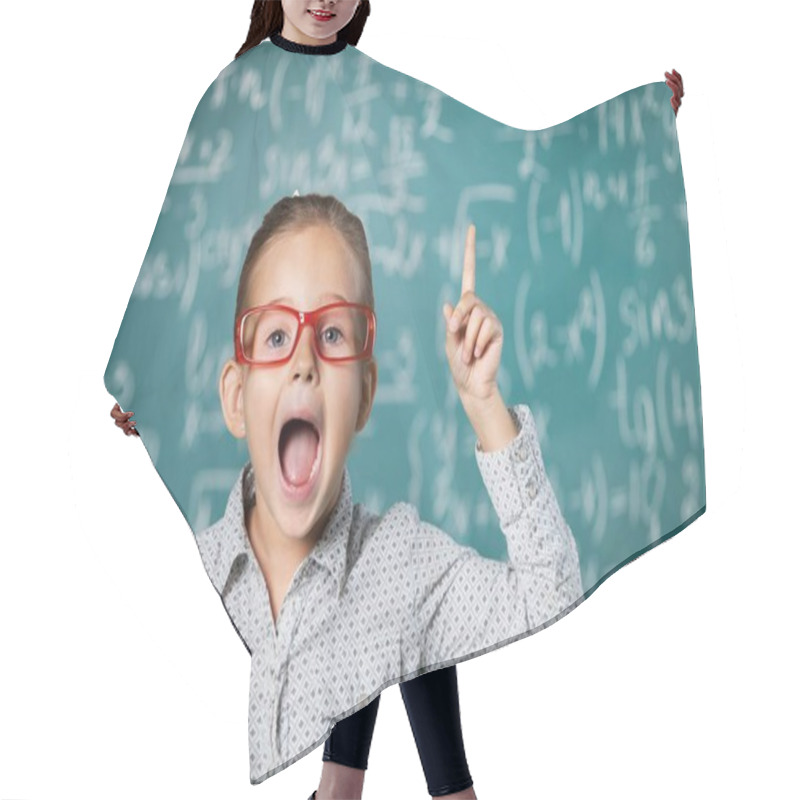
(582, 251)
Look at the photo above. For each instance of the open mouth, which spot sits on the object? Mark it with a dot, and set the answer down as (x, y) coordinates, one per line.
(300, 455)
(321, 15)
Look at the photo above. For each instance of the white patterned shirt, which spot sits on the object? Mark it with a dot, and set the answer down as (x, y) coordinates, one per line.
(384, 598)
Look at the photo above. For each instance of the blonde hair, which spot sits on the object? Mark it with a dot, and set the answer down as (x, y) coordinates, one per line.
(293, 214)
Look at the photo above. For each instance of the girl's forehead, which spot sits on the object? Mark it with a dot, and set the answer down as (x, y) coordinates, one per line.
(304, 285)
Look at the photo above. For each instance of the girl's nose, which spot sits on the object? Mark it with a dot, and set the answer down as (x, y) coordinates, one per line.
(305, 347)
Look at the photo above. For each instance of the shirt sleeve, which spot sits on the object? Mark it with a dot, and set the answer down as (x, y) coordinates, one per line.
(465, 603)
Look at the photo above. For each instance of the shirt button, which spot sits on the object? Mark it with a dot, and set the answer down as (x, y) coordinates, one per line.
(532, 490)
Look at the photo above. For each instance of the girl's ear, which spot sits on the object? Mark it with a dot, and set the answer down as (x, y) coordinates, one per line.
(231, 394)
(369, 384)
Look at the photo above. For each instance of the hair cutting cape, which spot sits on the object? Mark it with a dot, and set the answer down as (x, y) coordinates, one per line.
(583, 255)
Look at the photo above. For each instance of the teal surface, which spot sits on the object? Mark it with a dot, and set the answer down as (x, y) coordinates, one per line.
(582, 251)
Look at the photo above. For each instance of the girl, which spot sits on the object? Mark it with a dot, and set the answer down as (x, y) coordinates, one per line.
(291, 539)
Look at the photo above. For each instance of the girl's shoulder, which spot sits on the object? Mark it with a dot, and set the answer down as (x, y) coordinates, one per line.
(388, 528)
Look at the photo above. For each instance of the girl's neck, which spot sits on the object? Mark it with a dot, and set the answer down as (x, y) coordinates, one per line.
(281, 41)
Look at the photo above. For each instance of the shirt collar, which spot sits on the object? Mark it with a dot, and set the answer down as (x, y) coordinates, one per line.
(226, 542)
(309, 49)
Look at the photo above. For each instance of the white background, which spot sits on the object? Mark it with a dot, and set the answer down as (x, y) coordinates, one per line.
(120, 674)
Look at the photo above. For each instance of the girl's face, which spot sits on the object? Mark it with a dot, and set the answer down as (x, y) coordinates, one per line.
(301, 24)
(305, 269)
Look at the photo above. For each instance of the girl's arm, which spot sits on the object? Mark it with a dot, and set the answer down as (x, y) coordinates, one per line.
(465, 603)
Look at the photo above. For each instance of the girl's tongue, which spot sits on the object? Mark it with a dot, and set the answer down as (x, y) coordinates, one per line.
(298, 449)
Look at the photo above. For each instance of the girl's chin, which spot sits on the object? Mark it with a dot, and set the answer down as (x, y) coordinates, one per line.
(297, 534)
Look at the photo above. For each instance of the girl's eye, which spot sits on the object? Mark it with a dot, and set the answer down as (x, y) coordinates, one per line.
(330, 341)
(273, 335)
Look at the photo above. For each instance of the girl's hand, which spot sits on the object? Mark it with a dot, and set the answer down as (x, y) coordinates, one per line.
(675, 82)
(474, 336)
(122, 419)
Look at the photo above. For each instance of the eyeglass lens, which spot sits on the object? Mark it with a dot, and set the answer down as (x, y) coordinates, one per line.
(268, 334)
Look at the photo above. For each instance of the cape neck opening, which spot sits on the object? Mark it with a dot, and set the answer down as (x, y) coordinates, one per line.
(309, 49)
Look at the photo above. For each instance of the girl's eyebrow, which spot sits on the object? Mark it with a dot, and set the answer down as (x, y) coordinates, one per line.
(320, 298)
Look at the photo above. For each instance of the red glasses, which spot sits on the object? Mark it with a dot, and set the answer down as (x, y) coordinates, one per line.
(268, 335)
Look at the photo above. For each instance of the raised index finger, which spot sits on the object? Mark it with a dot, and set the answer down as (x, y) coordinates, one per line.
(468, 277)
